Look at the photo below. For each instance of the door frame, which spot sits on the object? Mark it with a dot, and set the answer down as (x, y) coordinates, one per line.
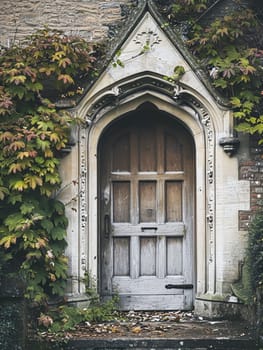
(200, 127)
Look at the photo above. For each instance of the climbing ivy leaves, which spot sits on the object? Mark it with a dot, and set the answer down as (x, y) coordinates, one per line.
(227, 48)
(34, 233)
(33, 132)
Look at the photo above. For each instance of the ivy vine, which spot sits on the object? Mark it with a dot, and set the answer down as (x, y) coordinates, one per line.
(33, 132)
(230, 49)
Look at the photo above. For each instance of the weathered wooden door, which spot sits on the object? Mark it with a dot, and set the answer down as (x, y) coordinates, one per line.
(147, 210)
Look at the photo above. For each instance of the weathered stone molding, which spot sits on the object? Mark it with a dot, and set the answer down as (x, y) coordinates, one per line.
(230, 145)
(83, 203)
(184, 99)
(209, 134)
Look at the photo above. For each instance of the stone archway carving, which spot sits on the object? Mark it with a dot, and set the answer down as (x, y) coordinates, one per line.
(180, 102)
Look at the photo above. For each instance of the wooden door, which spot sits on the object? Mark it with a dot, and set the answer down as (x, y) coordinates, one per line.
(146, 210)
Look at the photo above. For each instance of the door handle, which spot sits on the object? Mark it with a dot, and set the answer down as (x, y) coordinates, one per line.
(179, 286)
(107, 226)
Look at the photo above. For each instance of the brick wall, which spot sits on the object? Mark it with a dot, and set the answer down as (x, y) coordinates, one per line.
(89, 18)
(252, 170)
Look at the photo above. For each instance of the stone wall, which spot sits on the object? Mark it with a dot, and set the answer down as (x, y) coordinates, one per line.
(89, 18)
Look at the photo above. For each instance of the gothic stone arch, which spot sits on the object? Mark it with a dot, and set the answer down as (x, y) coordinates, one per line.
(219, 192)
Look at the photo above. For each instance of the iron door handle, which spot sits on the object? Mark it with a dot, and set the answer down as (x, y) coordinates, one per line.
(107, 226)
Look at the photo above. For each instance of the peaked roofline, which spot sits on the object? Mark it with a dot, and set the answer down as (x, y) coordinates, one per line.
(133, 18)
(176, 38)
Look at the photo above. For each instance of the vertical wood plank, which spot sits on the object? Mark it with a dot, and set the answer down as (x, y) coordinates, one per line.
(160, 154)
(173, 153)
(147, 147)
(147, 256)
(173, 207)
(147, 201)
(135, 257)
(121, 201)
(134, 210)
(161, 256)
(107, 265)
(174, 259)
(121, 154)
(161, 204)
(121, 256)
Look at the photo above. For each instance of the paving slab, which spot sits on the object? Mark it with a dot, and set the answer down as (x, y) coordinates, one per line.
(154, 331)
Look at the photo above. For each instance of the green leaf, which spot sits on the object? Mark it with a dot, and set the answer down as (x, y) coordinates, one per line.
(27, 208)
(58, 233)
(14, 221)
(47, 225)
(43, 144)
(19, 185)
(3, 192)
(14, 198)
(243, 127)
(34, 254)
(236, 102)
(59, 207)
(61, 221)
(53, 178)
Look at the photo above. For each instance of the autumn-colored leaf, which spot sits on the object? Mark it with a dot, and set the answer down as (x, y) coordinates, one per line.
(67, 79)
(15, 167)
(222, 31)
(8, 241)
(136, 329)
(16, 145)
(47, 70)
(22, 155)
(6, 136)
(33, 181)
(48, 153)
(18, 79)
(54, 137)
(41, 243)
(64, 62)
(27, 154)
(58, 55)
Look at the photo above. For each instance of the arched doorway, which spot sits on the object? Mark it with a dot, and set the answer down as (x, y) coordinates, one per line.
(146, 211)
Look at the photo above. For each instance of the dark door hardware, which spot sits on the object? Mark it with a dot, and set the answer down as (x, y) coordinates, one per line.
(179, 286)
(149, 228)
(107, 225)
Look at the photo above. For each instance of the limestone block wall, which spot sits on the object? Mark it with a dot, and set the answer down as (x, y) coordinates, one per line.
(88, 18)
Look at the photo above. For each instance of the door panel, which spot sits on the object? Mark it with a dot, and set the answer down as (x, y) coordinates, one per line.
(121, 201)
(146, 211)
(173, 201)
(147, 201)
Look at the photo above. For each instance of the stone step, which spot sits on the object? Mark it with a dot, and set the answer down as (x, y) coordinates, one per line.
(149, 344)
